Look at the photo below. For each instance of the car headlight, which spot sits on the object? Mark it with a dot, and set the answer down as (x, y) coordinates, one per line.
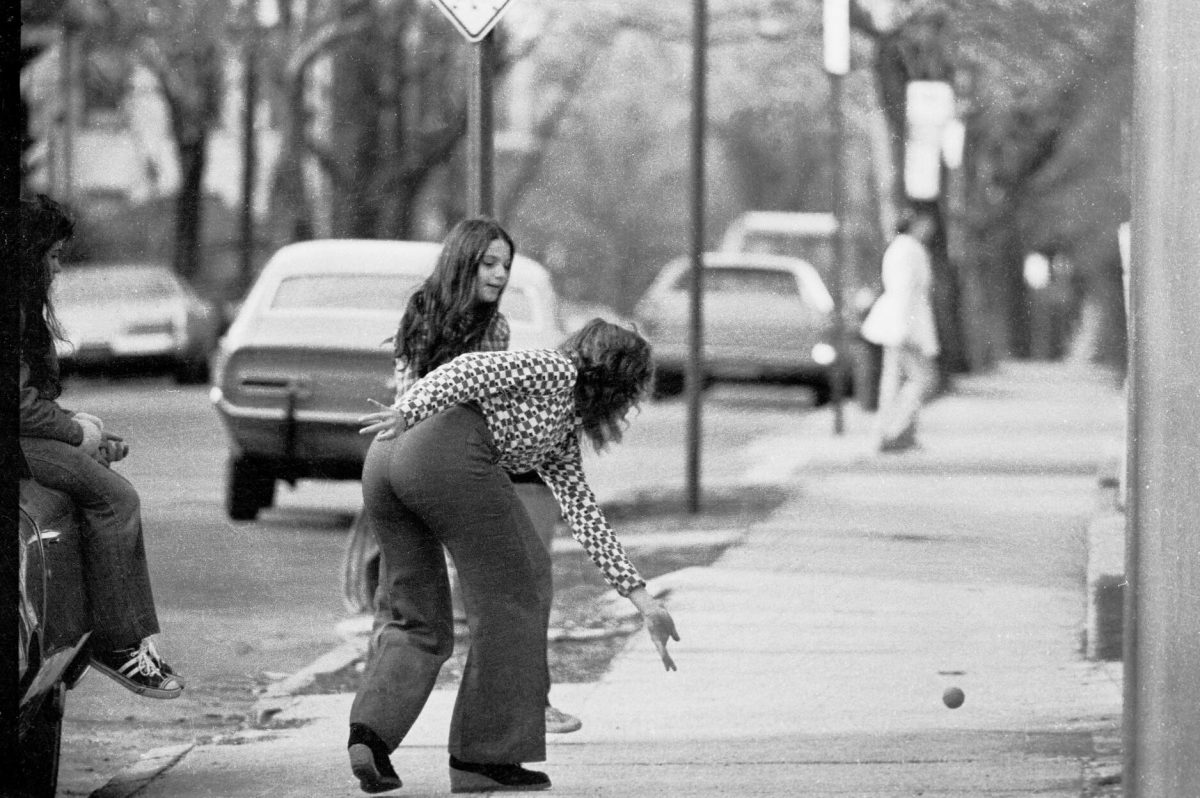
(824, 354)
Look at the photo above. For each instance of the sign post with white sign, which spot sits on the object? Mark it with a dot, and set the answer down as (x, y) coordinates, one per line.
(475, 20)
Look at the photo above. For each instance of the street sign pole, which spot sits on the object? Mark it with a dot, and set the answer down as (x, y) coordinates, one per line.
(475, 20)
(836, 41)
(480, 134)
(694, 381)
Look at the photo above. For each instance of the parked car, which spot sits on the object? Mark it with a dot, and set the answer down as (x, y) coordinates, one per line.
(808, 236)
(766, 317)
(53, 630)
(310, 346)
(142, 313)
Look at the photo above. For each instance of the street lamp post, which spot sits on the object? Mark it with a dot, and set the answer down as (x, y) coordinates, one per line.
(694, 381)
(836, 40)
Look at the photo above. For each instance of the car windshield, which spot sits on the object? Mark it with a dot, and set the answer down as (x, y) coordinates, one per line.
(92, 285)
(722, 280)
(817, 250)
(345, 292)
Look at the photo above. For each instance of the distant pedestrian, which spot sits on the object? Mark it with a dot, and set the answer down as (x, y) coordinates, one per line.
(902, 322)
(72, 452)
(435, 476)
(457, 310)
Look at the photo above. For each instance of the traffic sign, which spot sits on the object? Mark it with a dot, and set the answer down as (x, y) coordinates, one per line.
(473, 18)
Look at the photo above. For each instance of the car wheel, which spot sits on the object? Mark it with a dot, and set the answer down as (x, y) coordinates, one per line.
(822, 393)
(249, 487)
(191, 372)
(40, 746)
(667, 384)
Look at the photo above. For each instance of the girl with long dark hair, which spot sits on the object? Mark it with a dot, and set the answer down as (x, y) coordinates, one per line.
(456, 310)
(72, 452)
(436, 476)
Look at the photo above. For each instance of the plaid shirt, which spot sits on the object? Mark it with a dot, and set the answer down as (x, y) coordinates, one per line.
(528, 399)
(495, 338)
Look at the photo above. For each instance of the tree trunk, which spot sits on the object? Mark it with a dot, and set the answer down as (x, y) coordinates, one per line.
(189, 208)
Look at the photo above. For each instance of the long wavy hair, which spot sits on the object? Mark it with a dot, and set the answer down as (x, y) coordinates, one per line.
(42, 223)
(444, 318)
(615, 371)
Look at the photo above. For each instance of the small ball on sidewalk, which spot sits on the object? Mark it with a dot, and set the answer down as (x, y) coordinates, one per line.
(953, 697)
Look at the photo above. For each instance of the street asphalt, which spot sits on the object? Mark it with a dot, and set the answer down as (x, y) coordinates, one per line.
(815, 652)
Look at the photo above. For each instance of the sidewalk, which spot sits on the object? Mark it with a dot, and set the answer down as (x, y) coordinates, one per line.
(814, 654)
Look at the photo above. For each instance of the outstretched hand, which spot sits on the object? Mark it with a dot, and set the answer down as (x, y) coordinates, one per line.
(659, 623)
(661, 627)
(385, 423)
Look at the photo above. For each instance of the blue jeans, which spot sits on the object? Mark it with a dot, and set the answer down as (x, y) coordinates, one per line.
(116, 578)
(439, 484)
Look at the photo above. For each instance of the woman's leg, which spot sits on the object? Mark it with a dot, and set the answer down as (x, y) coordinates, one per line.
(889, 388)
(917, 380)
(468, 501)
(116, 575)
(414, 633)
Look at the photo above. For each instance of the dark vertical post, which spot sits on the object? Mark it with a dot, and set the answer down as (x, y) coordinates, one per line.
(1162, 647)
(249, 160)
(837, 392)
(695, 368)
(480, 130)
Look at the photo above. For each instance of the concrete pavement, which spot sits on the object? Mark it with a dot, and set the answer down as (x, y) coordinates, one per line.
(815, 652)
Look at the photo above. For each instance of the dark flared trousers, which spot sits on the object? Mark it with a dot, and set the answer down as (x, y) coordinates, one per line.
(116, 577)
(439, 484)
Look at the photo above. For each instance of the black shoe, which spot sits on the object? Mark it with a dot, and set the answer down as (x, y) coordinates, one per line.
(369, 761)
(475, 777)
(140, 669)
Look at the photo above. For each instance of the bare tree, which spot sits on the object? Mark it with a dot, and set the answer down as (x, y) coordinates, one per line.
(179, 42)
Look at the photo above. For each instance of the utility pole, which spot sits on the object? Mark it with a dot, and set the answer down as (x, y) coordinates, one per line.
(694, 378)
(1162, 610)
(836, 39)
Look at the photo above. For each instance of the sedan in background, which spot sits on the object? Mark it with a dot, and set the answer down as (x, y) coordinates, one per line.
(134, 315)
(311, 345)
(766, 317)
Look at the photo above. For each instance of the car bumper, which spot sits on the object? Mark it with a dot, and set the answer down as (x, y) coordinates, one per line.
(734, 363)
(305, 443)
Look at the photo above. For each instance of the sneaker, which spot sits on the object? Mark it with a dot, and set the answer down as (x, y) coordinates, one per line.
(559, 722)
(475, 777)
(139, 669)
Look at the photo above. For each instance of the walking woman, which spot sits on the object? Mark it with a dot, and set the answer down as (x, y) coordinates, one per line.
(72, 452)
(435, 476)
(902, 322)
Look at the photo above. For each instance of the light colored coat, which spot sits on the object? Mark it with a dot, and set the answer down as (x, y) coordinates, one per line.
(903, 314)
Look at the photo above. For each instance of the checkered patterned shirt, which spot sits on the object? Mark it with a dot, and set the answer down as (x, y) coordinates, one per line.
(495, 338)
(528, 399)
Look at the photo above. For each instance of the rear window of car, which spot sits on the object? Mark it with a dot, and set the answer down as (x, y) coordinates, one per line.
(99, 284)
(719, 280)
(817, 250)
(345, 292)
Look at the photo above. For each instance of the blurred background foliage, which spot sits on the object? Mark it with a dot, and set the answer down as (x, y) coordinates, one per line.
(368, 100)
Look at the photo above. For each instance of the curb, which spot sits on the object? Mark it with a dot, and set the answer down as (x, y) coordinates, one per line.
(134, 778)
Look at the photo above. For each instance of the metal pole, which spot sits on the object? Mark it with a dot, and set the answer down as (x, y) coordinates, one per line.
(249, 160)
(480, 130)
(837, 375)
(695, 369)
(1162, 622)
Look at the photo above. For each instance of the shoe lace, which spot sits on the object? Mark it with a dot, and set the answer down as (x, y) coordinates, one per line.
(148, 661)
